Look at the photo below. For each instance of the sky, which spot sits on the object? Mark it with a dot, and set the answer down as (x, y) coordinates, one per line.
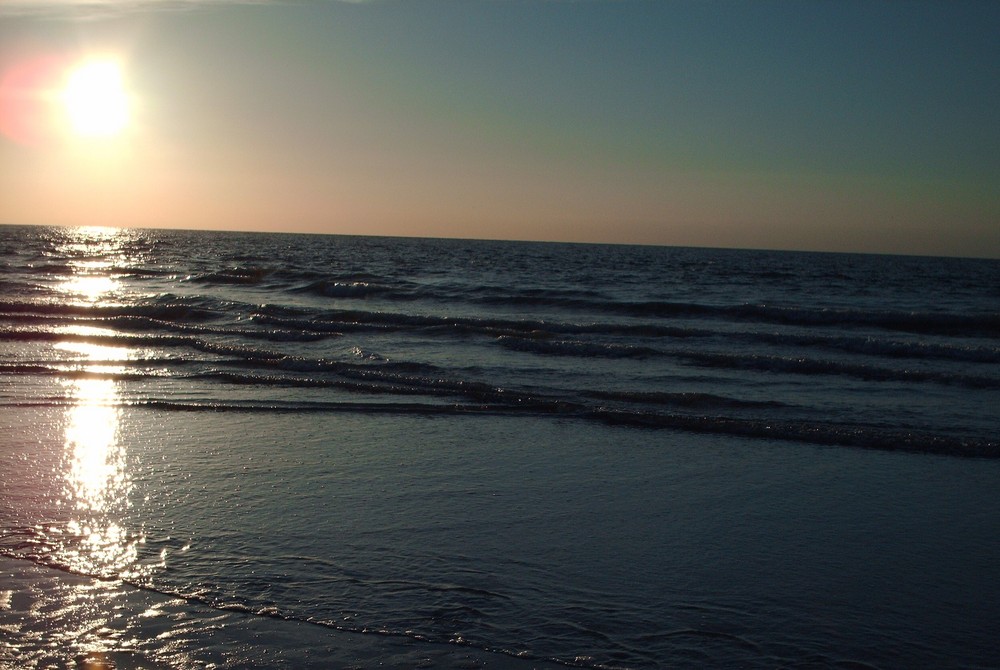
(844, 125)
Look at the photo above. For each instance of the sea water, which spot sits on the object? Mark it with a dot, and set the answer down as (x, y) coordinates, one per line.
(326, 451)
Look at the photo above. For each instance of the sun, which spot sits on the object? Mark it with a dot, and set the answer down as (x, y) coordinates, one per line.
(95, 99)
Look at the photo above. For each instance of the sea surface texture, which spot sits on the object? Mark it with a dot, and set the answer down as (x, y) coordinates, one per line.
(448, 453)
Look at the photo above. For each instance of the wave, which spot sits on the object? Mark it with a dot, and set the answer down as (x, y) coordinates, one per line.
(48, 268)
(165, 306)
(529, 296)
(939, 323)
(829, 434)
(232, 276)
(877, 346)
(576, 348)
(683, 399)
(120, 339)
(811, 367)
(816, 433)
(10, 286)
(480, 399)
(176, 314)
(231, 360)
(69, 372)
(512, 331)
(339, 288)
(379, 321)
(65, 270)
(378, 386)
(143, 323)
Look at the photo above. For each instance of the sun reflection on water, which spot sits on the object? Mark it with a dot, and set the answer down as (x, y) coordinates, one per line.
(98, 468)
(93, 253)
(90, 288)
(98, 481)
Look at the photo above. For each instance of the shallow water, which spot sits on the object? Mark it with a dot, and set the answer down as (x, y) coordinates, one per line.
(50, 618)
(549, 540)
(627, 461)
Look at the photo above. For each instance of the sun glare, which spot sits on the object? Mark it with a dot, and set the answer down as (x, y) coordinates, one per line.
(95, 99)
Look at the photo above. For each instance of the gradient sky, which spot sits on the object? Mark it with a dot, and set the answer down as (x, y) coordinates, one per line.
(790, 124)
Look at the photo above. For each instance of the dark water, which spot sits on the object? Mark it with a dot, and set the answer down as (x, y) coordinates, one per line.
(594, 455)
(883, 352)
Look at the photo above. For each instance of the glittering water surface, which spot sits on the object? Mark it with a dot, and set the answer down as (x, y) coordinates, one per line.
(291, 451)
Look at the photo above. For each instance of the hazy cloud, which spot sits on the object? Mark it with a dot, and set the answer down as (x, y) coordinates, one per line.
(76, 7)
(104, 7)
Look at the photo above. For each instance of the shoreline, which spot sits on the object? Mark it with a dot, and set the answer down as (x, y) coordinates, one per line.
(52, 617)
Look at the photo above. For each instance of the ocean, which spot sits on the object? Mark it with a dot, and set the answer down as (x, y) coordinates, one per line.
(237, 450)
